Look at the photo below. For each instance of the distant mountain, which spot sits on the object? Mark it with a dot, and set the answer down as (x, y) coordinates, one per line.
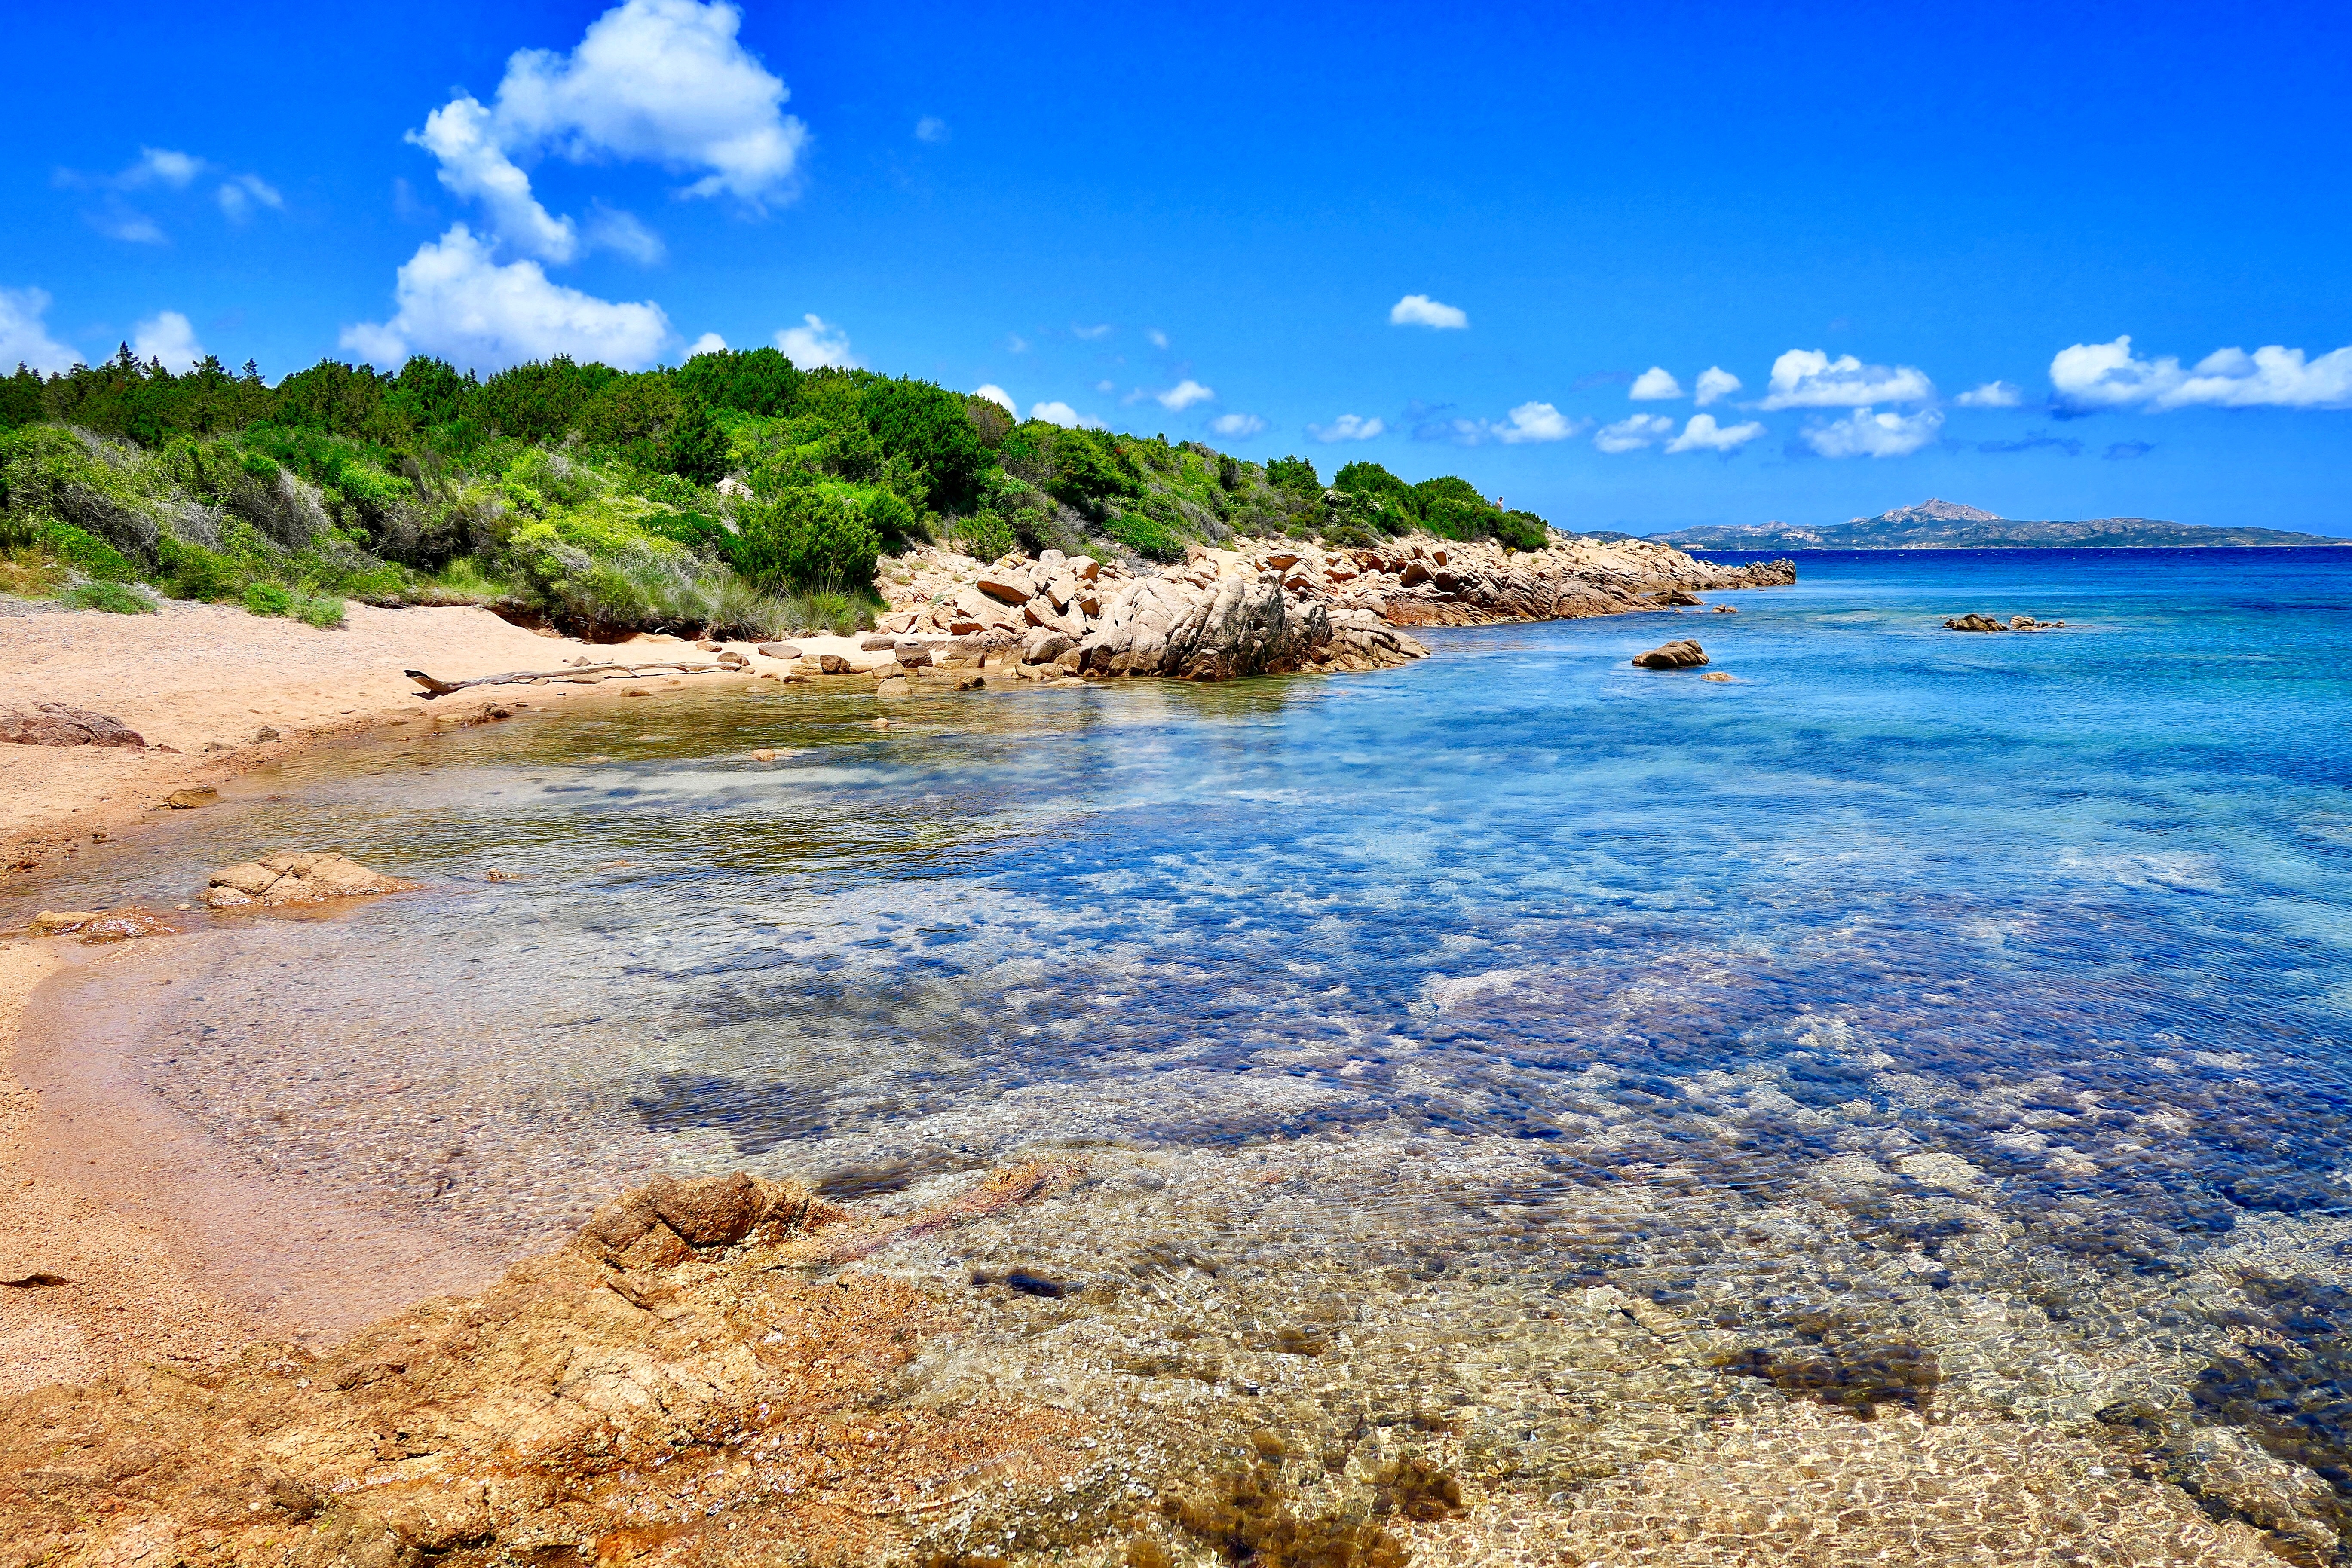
(1948, 525)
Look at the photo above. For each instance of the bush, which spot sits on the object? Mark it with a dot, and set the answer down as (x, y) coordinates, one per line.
(805, 539)
(324, 612)
(89, 555)
(1295, 475)
(696, 531)
(1146, 537)
(893, 523)
(268, 599)
(191, 572)
(928, 425)
(818, 612)
(1522, 531)
(759, 381)
(110, 596)
(985, 536)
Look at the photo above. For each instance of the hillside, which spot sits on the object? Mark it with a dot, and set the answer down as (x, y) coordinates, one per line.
(1946, 525)
(737, 492)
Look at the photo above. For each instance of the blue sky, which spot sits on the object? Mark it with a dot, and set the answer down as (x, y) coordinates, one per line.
(1168, 218)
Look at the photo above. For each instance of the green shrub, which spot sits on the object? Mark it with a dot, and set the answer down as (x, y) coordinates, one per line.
(927, 425)
(86, 554)
(985, 536)
(819, 611)
(805, 539)
(191, 572)
(110, 596)
(694, 530)
(893, 523)
(324, 612)
(1148, 537)
(1295, 475)
(1522, 531)
(268, 599)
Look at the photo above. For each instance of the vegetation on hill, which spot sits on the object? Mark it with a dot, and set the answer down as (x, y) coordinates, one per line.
(737, 492)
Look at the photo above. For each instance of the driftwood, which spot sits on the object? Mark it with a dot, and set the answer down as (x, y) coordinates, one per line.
(569, 672)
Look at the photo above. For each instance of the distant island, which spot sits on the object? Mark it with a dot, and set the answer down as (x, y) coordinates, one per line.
(1946, 525)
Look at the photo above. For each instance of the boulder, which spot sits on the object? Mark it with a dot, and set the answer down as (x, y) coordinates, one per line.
(1085, 568)
(876, 642)
(277, 880)
(56, 724)
(913, 655)
(107, 925)
(1683, 653)
(1009, 585)
(1046, 645)
(192, 797)
(1974, 623)
(780, 649)
(831, 664)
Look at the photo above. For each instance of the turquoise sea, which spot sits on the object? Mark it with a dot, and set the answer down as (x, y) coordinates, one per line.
(1944, 1022)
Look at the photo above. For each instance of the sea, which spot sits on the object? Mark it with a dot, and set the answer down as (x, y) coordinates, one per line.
(1907, 1024)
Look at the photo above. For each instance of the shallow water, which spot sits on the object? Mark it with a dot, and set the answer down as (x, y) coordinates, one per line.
(1929, 1020)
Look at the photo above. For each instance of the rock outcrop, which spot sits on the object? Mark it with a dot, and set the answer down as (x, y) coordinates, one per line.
(1682, 654)
(1270, 608)
(56, 724)
(1973, 623)
(277, 880)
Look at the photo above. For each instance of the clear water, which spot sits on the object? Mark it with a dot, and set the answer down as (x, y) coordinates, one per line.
(1989, 994)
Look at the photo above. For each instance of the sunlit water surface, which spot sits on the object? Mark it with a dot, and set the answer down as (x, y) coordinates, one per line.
(1905, 969)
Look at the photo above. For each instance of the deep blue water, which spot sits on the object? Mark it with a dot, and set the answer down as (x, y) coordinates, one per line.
(2070, 906)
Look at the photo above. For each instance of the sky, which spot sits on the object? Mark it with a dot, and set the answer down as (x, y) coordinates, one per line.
(1627, 267)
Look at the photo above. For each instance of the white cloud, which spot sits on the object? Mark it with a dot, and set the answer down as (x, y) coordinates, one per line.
(930, 128)
(708, 344)
(2107, 375)
(1535, 422)
(1107, 387)
(1863, 434)
(1991, 395)
(25, 336)
(1063, 415)
(1654, 385)
(1704, 435)
(610, 228)
(170, 337)
(1421, 311)
(664, 81)
(162, 166)
(1808, 378)
(1090, 333)
(1632, 435)
(1714, 384)
(1237, 425)
(241, 193)
(1159, 339)
(1348, 428)
(998, 396)
(454, 300)
(120, 223)
(816, 343)
(1183, 395)
(463, 137)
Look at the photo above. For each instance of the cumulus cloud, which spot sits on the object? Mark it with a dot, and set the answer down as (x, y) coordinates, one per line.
(708, 344)
(168, 336)
(610, 228)
(1704, 435)
(162, 166)
(1991, 395)
(1808, 378)
(1421, 311)
(1531, 422)
(25, 336)
(239, 196)
(1348, 428)
(1654, 385)
(1632, 435)
(457, 301)
(2107, 375)
(998, 396)
(1183, 395)
(1714, 384)
(930, 128)
(1863, 434)
(1236, 425)
(659, 81)
(1061, 413)
(816, 343)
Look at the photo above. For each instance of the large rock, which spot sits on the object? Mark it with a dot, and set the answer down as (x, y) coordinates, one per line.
(56, 724)
(277, 880)
(1009, 585)
(1682, 654)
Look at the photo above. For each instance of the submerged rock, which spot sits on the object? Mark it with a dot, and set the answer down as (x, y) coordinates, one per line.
(56, 724)
(1681, 654)
(277, 880)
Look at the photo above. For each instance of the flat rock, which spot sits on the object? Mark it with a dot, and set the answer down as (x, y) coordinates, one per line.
(192, 797)
(781, 649)
(277, 880)
(1681, 654)
(56, 724)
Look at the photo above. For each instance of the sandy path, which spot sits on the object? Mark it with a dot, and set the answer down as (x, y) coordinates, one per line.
(211, 674)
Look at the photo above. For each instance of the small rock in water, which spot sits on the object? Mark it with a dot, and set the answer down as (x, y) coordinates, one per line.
(1681, 654)
(833, 664)
(764, 755)
(190, 798)
(1716, 676)
(277, 880)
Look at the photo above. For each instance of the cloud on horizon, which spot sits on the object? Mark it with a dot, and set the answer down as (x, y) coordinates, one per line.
(1633, 434)
(25, 334)
(817, 343)
(1348, 428)
(1236, 425)
(998, 396)
(1183, 395)
(170, 337)
(454, 300)
(1061, 413)
(2107, 375)
(1703, 434)
(1421, 311)
(1809, 378)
